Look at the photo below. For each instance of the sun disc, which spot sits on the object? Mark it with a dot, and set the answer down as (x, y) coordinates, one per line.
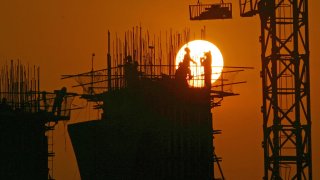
(197, 50)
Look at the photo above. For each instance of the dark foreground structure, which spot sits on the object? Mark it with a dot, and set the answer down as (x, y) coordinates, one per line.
(154, 124)
(24, 148)
(155, 131)
(27, 120)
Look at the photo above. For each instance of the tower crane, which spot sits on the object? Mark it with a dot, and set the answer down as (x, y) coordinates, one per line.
(285, 78)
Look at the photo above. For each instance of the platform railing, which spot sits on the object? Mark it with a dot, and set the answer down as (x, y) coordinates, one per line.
(210, 11)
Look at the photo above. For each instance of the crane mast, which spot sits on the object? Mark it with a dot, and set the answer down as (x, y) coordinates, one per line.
(286, 86)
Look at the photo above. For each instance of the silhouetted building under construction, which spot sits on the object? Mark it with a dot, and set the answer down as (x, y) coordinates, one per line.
(27, 118)
(154, 125)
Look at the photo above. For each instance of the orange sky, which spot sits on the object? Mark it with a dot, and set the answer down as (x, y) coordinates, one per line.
(60, 37)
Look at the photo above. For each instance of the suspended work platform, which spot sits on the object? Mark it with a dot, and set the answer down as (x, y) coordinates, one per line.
(210, 11)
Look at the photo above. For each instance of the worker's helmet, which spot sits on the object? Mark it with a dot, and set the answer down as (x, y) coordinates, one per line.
(64, 89)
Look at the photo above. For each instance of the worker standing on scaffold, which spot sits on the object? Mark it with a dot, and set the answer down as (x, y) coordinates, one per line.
(4, 106)
(206, 62)
(186, 63)
(60, 95)
(131, 72)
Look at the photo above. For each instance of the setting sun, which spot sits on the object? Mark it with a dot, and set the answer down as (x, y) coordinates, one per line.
(198, 48)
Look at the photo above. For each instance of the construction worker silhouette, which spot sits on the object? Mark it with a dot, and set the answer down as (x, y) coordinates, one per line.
(4, 105)
(60, 94)
(186, 62)
(181, 75)
(206, 62)
(131, 72)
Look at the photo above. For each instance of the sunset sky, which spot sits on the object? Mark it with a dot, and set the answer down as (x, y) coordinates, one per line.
(61, 35)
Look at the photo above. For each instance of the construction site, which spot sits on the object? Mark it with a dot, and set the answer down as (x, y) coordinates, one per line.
(157, 101)
(156, 120)
(28, 117)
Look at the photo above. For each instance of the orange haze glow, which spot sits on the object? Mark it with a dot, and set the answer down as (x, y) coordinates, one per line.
(60, 37)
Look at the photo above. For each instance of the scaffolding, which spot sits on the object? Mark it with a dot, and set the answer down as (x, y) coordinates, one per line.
(143, 65)
(29, 114)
